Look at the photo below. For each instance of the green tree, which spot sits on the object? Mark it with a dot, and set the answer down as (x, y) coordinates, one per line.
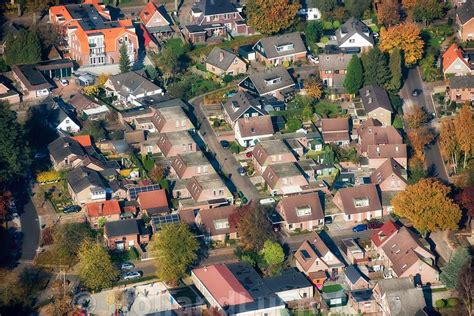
(326, 6)
(395, 64)
(428, 10)
(24, 48)
(357, 8)
(429, 70)
(450, 272)
(355, 75)
(175, 248)
(124, 61)
(313, 32)
(95, 129)
(95, 268)
(14, 150)
(68, 239)
(273, 253)
(376, 70)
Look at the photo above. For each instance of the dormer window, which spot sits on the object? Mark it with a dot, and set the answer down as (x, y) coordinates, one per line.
(272, 81)
(284, 47)
(361, 202)
(303, 211)
(369, 101)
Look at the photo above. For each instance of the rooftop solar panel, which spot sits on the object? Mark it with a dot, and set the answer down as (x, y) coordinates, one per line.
(160, 221)
(133, 192)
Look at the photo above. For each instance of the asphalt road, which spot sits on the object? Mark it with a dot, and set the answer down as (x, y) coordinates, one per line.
(225, 158)
(432, 152)
(31, 232)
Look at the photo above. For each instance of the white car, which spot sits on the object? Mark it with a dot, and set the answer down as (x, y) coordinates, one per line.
(314, 60)
(132, 275)
(127, 266)
(64, 82)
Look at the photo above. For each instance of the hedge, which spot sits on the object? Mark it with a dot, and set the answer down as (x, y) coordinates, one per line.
(440, 303)
(48, 176)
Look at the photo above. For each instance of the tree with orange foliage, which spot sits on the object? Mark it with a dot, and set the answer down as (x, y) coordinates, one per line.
(419, 138)
(448, 142)
(428, 206)
(5, 199)
(405, 36)
(417, 117)
(314, 88)
(464, 127)
(270, 17)
(157, 173)
(409, 6)
(388, 12)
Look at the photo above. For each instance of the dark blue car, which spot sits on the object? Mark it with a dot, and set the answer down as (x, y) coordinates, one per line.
(359, 228)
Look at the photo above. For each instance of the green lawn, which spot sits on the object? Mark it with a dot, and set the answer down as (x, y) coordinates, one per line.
(331, 288)
(327, 109)
(435, 35)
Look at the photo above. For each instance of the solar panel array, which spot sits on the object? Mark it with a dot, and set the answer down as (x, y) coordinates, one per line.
(160, 221)
(133, 192)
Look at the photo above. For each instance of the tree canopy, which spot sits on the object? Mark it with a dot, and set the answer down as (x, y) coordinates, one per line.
(273, 254)
(395, 64)
(270, 17)
(376, 70)
(68, 239)
(355, 75)
(175, 249)
(357, 8)
(95, 268)
(124, 61)
(22, 48)
(428, 206)
(450, 272)
(427, 10)
(406, 37)
(388, 12)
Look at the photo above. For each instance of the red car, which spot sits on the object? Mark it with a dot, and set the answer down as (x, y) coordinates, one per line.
(249, 154)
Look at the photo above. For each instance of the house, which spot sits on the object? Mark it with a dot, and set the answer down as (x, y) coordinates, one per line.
(461, 89)
(252, 129)
(241, 105)
(314, 256)
(33, 83)
(363, 301)
(290, 286)
(63, 122)
(376, 104)
(214, 19)
(153, 202)
(270, 151)
(174, 143)
(378, 154)
(354, 279)
(390, 176)
(125, 234)
(215, 222)
(335, 131)
(222, 63)
(201, 192)
(354, 36)
(455, 62)
(236, 289)
(191, 164)
(399, 296)
(309, 10)
(332, 71)
(465, 21)
(156, 20)
(171, 119)
(7, 94)
(275, 50)
(276, 82)
(130, 87)
(284, 178)
(89, 35)
(85, 185)
(98, 213)
(65, 153)
(301, 212)
(403, 254)
(354, 253)
(88, 108)
(359, 203)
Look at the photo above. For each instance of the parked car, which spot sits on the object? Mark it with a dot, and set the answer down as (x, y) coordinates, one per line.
(72, 209)
(314, 60)
(242, 171)
(64, 82)
(249, 154)
(359, 228)
(267, 201)
(225, 144)
(416, 92)
(127, 266)
(327, 220)
(132, 275)
(374, 224)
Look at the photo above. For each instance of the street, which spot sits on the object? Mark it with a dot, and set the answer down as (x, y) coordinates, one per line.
(31, 232)
(225, 158)
(432, 152)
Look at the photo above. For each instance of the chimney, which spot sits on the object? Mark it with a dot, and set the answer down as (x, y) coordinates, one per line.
(221, 56)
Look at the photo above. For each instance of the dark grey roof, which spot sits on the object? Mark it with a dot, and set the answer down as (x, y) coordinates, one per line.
(334, 61)
(353, 274)
(194, 28)
(211, 7)
(220, 58)
(461, 82)
(124, 227)
(270, 45)
(351, 27)
(466, 11)
(65, 146)
(362, 295)
(31, 77)
(401, 296)
(273, 79)
(132, 83)
(290, 279)
(240, 103)
(374, 97)
(81, 178)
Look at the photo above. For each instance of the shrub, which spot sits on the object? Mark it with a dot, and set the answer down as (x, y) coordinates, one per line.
(133, 254)
(286, 64)
(48, 176)
(453, 302)
(440, 303)
(324, 40)
(228, 78)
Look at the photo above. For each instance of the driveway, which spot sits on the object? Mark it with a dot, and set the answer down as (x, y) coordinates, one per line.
(31, 232)
(432, 152)
(225, 158)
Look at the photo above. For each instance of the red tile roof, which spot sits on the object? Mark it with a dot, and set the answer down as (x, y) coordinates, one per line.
(383, 233)
(147, 12)
(105, 208)
(84, 140)
(451, 55)
(223, 285)
(153, 199)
